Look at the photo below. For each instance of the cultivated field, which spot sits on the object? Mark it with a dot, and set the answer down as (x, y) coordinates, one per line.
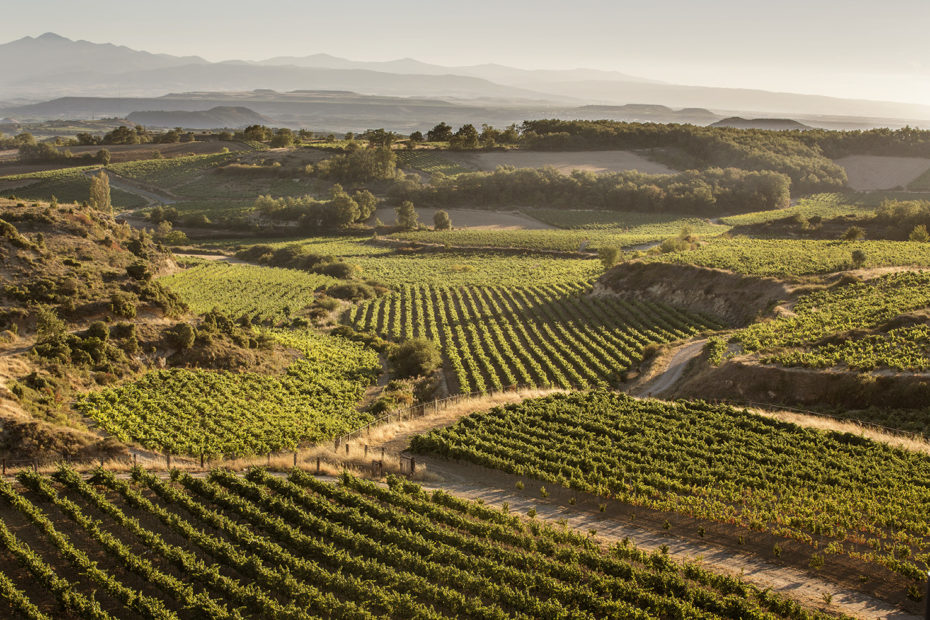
(473, 218)
(872, 172)
(565, 162)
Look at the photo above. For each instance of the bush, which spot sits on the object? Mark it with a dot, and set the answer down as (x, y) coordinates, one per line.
(343, 271)
(181, 336)
(415, 357)
(99, 330)
(139, 271)
(123, 304)
(351, 292)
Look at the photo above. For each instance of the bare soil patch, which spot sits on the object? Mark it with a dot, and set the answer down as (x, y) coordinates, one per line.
(872, 172)
(565, 161)
(474, 218)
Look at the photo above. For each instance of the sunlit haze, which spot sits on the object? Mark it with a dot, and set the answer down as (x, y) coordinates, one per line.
(843, 48)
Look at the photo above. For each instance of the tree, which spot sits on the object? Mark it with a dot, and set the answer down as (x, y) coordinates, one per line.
(181, 336)
(466, 137)
(441, 220)
(407, 217)
(48, 326)
(342, 210)
(284, 137)
(367, 203)
(919, 233)
(854, 233)
(439, 133)
(379, 137)
(415, 138)
(100, 192)
(103, 156)
(858, 258)
(609, 256)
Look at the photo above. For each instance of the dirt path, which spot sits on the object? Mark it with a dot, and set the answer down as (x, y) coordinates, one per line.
(674, 370)
(121, 183)
(496, 489)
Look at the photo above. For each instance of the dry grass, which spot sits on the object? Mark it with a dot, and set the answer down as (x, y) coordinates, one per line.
(828, 424)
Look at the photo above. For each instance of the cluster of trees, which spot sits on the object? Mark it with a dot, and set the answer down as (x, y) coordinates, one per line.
(900, 219)
(690, 146)
(904, 142)
(708, 192)
(297, 256)
(134, 135)
(339, 212)
(468, 137)
(358, 164)
(45, 152)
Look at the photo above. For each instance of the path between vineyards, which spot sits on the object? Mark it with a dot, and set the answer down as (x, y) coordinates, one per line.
(496, 489)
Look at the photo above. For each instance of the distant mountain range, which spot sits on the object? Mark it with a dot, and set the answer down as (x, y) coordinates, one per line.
(233, 117)
(35, 69)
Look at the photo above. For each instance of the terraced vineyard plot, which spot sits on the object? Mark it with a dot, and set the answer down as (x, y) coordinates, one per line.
(839, 493)
(260, 546)
(494, 336)
(798, 257)
(262, 293)
(194, 412)
(882, 340)
(597, 219)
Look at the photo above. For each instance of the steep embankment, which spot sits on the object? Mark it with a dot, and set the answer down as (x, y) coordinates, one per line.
(732, 298)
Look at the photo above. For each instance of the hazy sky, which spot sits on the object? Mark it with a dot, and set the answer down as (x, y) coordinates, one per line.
(848, 48)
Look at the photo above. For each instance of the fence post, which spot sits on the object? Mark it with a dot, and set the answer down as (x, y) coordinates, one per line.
(133, 459)
(269, 459)
(201, 460)
(295, 458)
(336, 444)
(318, 465)
(382, 453)
(4, 467)
(168, 459)
(413, 465)
(347, 448)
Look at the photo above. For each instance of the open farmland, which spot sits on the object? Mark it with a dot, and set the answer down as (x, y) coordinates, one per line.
(565, 162)
(872, 172)
(474, 218)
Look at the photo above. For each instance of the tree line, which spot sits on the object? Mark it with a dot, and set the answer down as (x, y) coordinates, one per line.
(713, 191)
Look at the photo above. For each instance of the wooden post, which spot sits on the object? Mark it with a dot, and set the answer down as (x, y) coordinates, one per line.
(347, 448)
(366, 449)
(133, 459)
(295, 458)
(201, 460)
(413, 465)
(269, 459)
(4, 467)
(168, 459)
(382, 453)
(35, 466)
(335, 444)
(318, 465)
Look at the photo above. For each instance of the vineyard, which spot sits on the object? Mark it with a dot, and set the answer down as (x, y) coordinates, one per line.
(215, 413)
(265, 294)
(68, 185)
(546, 335)
(825, 206)
(430, 162)
(798, 257)
(637, 229)
(262, 546)
(840, 494)
(863, 322)
(598, 219)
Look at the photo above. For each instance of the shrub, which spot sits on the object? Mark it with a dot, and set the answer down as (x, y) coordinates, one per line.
(415, 357)
(123, 304)
(351, 292)
(139, 271)
(181, 336)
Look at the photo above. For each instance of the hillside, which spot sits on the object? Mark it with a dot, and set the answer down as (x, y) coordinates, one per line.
(217, 117)
(774, 124)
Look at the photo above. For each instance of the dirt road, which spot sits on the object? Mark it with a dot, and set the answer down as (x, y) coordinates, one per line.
(674, 370)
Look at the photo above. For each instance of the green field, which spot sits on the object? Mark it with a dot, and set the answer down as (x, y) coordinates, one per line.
(181, 411)
(635, 229)
(499, 336)
(826, 206)
(265, 294)
(838, 493)
(261, 546)
(798, 257)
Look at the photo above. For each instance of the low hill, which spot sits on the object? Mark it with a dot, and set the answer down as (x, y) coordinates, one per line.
(233, 117)
(775, 124)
